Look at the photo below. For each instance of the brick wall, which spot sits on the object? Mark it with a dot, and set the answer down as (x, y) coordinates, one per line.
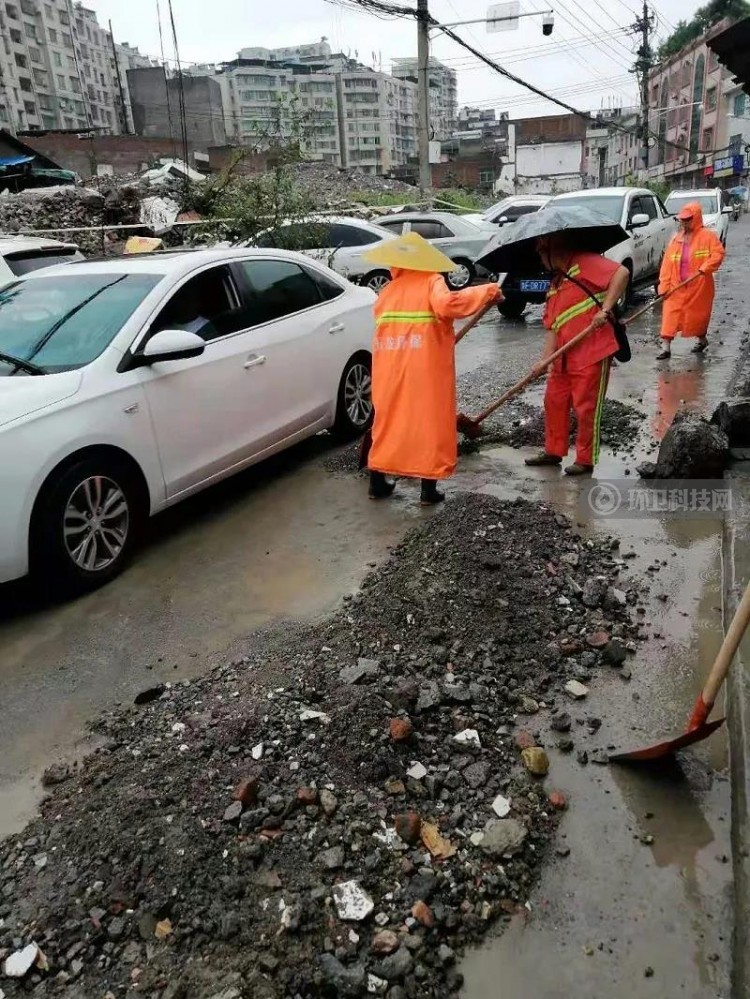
(552, 128)
(465, 172)
(123, 153)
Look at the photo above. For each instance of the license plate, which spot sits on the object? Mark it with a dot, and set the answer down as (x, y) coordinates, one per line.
(535, 286)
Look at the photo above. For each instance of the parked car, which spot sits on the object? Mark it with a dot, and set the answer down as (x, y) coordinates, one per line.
(21, 255)
(130, 384)
(458, 238)
(338, 241)
(511, 209)
(716, 210)
(639, 211)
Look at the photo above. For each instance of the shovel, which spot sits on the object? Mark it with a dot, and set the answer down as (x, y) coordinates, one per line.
(366, 442)
(699, 727)
(471, 426)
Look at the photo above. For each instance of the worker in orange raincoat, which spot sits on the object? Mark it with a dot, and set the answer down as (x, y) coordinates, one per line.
(413, 366)
(585, 289)
(694, 250)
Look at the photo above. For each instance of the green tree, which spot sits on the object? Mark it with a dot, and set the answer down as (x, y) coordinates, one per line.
(703, 19)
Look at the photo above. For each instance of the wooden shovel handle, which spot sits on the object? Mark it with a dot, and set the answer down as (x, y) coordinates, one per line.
(534, 374)
(474, 320)
(659, 298)
(729, 646)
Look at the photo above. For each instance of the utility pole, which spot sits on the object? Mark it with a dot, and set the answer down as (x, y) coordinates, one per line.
(644, 25)
(423, 82)
(123, 107)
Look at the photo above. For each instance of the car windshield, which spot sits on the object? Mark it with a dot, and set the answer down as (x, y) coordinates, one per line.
(708, 203)
(606, 204)
(64, 322)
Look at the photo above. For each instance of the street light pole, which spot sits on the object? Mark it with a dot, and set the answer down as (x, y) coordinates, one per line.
(423, 83)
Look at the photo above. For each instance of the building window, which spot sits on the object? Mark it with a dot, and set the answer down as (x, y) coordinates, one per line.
(739, 105)
(52, 35)
(35, 54)
(16, 36)
(486, 177)
(11, 11)
(21, 60)
(57, 59)
(30, 107)
(711, 99)
(64, 19)
(713, 61)
(708, 139)
(49, 11)
(61, 84)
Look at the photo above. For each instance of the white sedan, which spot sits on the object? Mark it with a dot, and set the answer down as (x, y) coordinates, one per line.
(129, 384)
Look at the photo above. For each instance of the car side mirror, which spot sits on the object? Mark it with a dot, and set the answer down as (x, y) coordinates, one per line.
(727, 211)
(503, 219)
(639, 221)
(169, 345)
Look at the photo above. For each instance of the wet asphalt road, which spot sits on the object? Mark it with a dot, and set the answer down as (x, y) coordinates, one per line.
(289, 539)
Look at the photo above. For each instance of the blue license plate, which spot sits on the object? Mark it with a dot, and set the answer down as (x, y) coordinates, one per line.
(535, 286)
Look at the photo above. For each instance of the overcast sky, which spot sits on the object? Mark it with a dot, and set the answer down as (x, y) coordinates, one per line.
(584, 62)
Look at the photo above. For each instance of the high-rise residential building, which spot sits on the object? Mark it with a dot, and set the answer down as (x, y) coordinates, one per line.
(341, 111)
(443, 93)
(56, 68)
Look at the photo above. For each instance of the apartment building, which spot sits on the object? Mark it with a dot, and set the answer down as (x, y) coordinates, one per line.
(56, 68)
(443, 93)
(377, 120)
(688, 113)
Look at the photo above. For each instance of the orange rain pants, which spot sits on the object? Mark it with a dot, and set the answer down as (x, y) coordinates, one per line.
(584, 390)
(414, 373)
(688, 311)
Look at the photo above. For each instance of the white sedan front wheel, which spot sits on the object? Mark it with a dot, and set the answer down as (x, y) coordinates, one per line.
(354, 409)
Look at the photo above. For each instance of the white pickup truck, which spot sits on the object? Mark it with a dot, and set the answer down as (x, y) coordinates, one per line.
(638, 210)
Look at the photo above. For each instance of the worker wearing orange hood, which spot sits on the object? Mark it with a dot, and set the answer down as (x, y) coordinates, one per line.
(413, 366)
(694, 250)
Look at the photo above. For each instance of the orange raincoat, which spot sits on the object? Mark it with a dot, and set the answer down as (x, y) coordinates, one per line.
(688, 311)
(414, 373)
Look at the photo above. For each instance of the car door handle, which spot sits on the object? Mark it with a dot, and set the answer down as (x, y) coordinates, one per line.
(337, 328)
(254, 360)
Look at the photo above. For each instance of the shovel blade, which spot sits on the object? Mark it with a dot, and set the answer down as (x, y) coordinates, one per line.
(468, 427)
(668, 746)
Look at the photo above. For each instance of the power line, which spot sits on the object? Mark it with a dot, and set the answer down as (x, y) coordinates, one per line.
(180, 91)
(166, 85)
(577, 24)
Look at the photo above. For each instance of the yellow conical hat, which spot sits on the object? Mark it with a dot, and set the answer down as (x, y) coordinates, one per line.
(410, 252)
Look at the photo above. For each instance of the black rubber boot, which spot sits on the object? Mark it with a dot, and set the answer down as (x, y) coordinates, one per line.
(380, 487)
(430, 493)
(700, 346)
(543, 459)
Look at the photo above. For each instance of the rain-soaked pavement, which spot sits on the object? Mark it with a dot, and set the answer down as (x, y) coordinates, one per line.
(618, 917)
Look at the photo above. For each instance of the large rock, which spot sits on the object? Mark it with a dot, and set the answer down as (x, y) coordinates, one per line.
(692, 448)
(503, 837)
(733, 418)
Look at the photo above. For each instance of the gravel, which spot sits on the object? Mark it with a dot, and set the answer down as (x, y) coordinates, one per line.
(178, 865)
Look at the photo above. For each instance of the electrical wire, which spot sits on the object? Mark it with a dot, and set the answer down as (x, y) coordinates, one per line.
(166, 87)
(180, 90)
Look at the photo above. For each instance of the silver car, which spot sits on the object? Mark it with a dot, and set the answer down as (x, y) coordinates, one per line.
(458, 238)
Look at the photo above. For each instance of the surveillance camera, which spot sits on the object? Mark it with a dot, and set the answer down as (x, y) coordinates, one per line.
(548, 23)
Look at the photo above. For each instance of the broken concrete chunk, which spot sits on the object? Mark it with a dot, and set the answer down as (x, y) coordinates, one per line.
(364, 671)
(352, 902)
(417, 771)
(501, 806)
(20, 963)
(576, 690)
(503, 837)
(469, 737)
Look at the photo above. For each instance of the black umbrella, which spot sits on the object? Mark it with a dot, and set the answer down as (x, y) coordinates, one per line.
(513, 250)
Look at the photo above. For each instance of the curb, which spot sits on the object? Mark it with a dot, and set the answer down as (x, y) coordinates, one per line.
(736, 559)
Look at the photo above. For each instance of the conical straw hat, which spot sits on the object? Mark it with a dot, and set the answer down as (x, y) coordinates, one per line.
(410, 252)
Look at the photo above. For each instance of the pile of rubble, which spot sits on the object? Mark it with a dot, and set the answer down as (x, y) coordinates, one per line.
(343, 810)
(330, 186)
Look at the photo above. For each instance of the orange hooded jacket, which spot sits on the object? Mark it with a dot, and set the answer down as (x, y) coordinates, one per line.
(688, 311)
(414, 373)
